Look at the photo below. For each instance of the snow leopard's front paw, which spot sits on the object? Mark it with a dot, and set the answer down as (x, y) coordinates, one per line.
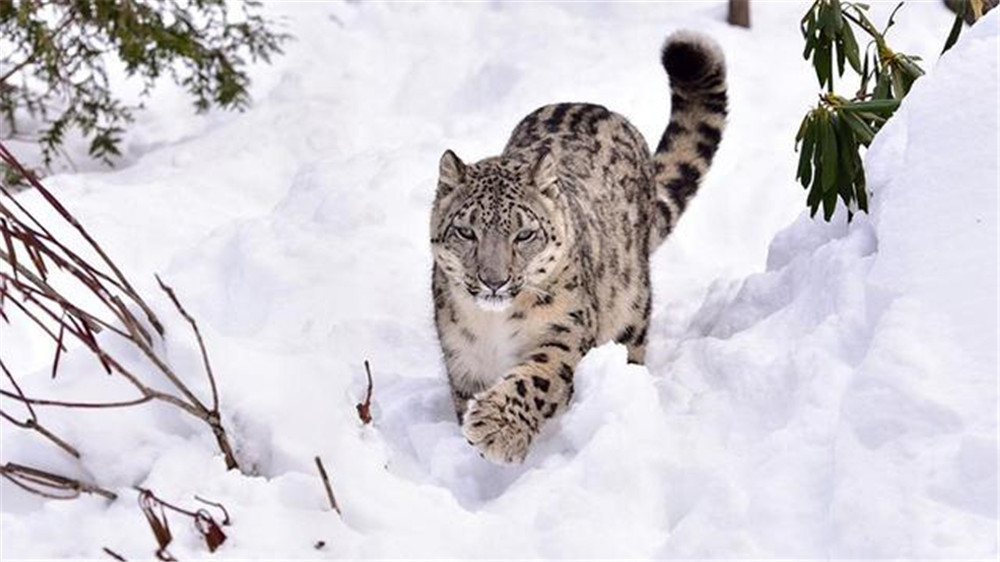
(493, 426)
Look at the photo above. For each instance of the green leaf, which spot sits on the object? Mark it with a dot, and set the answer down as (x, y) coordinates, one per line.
(862, 131)
(829, 204)
(804, 174)
(860, 191)
(909, 67)
(810, 37)
(836, 16)
(849, 161)
(865, 77)
(828, 146)
(876, 121)
(802, 128)
(824, 22)
(874, 106)
(823, 62)
(850, 47)
(899, 86)
(815, 196)
(841, 57)
(809, 30)
(814, 199)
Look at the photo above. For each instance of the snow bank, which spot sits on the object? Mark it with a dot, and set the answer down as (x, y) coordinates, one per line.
(840, 403)
(853, 385)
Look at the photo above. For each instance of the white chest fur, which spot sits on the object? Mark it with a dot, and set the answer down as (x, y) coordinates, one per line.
(487, 345)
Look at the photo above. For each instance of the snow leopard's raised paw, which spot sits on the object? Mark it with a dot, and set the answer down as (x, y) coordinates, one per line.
(495, 430)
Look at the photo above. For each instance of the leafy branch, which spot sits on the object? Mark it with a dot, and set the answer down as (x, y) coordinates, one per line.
(831, 135)
(53, 68)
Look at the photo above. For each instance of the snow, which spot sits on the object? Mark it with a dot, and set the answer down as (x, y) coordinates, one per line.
(811, 390)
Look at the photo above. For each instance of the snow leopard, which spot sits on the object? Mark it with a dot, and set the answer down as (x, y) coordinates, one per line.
(542, 253)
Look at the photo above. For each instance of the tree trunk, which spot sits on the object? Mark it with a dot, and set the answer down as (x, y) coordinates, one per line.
(739, 12)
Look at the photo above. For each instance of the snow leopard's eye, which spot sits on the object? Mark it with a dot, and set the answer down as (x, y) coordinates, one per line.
(525, 236)
(465, 233)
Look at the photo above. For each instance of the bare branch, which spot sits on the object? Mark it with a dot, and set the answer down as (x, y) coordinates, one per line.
(32, 422)
(35, 256)
(201, 342)
(55, 204)
(66, 404)
(35, 426)
(20, 394)
(50, 485)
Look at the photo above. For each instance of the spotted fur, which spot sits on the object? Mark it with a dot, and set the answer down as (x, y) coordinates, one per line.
(542, 252)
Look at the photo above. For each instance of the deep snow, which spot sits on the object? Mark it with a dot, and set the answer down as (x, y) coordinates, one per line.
(825, 391)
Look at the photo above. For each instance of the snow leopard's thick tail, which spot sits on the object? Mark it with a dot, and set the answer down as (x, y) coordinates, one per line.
(697, 71)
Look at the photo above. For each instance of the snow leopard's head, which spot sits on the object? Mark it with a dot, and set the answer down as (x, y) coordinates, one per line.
(497, 229)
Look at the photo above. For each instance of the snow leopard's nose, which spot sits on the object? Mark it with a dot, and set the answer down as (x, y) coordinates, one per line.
(493, 282)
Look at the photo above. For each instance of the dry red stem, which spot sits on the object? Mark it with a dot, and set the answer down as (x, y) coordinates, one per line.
(365, 407)
(34, 256)
(155, 508)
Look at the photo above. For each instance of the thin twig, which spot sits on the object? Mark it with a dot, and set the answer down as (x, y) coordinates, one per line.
(51, 200)
(219, 506)
(17, 387)
(43, 483)
(201, 342)
(32, 421)
(59, 347)
(66, 404)
(114, 554)
(44, 432)
(29, 290)
(24, 309)
(212, 417)
(326, 484)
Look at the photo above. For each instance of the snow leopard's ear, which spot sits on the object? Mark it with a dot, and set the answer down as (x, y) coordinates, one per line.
(451, 171)
(545, 174)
